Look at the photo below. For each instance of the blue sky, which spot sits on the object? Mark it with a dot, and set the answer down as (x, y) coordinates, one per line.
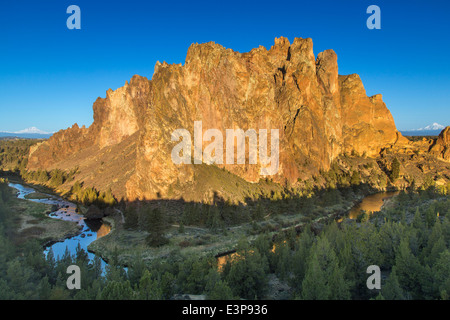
(50, 75)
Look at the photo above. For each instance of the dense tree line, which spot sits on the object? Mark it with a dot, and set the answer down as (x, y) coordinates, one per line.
(410, 242)
(90, 195)
(53, 178)
(14, 153)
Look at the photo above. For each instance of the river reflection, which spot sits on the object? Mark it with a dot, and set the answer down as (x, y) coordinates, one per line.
(103, 230)
(371, 203)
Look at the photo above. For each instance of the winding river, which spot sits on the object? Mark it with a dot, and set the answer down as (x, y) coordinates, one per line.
(91, 230)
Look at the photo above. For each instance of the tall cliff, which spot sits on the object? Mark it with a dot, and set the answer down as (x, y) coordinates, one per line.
(319, 115)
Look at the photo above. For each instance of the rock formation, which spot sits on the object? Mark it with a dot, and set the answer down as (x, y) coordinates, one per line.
(319, 115)
(441, 147)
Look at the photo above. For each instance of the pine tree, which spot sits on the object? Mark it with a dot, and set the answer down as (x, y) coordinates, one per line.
(96, 268)
(117, 290)
(137, 270)
(51, 266)
(314, 285)
(436, 239)
(220, 291)
(408, 269)
(43, 176)
(395, 171)
(300, 258)
(438, 248)
(108, 198)
(392, 290)
(45, 289)
(167, 285)
(156, 226)
(284, 261)
(441, 271)
(115, 272)
(248, 275)
(148, 288)
(76, 190)
(324, 277)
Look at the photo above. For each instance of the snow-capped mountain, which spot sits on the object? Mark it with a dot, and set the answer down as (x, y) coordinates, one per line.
(434, 126)
(32, 130)
(28, 133)
(431, 130)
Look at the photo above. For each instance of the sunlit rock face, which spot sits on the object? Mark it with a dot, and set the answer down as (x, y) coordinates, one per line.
(318, 113)
(116, 117)
(368, 125)
(441, 147)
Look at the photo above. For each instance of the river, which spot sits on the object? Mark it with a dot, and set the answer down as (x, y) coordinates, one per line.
(371, 203)
(91, 229)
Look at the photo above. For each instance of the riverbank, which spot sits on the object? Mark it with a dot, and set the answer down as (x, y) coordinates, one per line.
(32, 221)
(14, 178)
(54, 222)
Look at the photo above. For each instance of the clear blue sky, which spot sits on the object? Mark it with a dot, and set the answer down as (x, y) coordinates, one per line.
(50, 76)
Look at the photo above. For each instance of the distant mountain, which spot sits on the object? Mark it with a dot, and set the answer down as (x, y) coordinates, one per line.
(434, 126)
(431, 130)
(32, 130)
(28, 133)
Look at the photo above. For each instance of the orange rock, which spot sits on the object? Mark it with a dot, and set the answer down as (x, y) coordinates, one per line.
(441, 147)
(319, 114)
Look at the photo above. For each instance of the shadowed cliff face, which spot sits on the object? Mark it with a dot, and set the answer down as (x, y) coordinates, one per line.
(318, 113)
